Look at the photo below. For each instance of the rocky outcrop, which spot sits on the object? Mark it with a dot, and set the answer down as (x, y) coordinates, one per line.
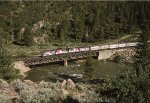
(70, 84)
(21, 66)
(37, 25)
(127, 54)
(40, 39)
(30, 83)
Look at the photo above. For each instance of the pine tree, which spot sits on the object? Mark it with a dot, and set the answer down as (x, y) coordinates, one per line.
(143, 52)
(27, 37)
(89, 67)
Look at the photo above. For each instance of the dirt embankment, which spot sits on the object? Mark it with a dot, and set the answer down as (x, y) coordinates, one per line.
(21, 66)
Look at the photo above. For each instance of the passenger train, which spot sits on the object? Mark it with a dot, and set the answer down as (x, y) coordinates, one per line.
(90, 48)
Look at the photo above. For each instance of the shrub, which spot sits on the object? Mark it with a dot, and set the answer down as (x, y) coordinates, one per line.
(118, 59)
(4, 99)
(126, 87)
(19, 85)
(69, 99)
(45, 95)
(6, 70)
(48, 92)
(27, 96)
(3, 84)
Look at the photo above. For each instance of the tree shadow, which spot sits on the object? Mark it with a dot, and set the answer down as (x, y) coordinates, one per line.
(69, 99)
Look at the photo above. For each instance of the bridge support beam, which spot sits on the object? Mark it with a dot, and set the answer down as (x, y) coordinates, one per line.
(65, 63)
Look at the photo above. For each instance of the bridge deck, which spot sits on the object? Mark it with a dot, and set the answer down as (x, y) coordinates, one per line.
(58, 57)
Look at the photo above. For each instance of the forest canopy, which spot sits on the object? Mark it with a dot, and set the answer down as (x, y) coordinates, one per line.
(88, 21)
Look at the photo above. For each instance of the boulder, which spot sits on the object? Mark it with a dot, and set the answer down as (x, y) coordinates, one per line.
(70, 84)
(63, 84)
(30, 83)
(21, 66)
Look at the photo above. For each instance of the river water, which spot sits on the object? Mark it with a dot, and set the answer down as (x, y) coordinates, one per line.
(49, 72)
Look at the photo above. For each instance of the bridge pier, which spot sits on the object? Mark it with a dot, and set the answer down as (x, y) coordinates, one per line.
(98, 57)
(105, 54)
(65, 63)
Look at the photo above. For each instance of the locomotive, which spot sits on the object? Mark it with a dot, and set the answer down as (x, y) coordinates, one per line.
(89, 48)
(67, 50)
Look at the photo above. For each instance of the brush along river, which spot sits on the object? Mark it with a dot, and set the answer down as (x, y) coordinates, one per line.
(50, 72)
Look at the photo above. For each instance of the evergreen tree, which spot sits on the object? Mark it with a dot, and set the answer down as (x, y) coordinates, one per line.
(5, 36)
(133, 84)
(6, 70)
(27, 37)
(78, 21)
(89, 68)
(143, 51)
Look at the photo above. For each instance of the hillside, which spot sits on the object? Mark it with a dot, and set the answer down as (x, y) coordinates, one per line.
(29, 23)
(29, 27)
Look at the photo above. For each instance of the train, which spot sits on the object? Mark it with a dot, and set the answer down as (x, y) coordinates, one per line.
(66, 50)
(84, 49)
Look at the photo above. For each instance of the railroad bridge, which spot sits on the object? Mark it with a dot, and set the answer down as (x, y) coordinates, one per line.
(100, 54)
(59, 57)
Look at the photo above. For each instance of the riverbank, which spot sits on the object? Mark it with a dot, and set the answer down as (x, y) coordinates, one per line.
(51, 71)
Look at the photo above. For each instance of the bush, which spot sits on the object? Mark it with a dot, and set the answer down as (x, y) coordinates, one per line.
(3, 84)
(6, 70)
(27, 96)
(128, 88)
(118, 59)
(47, 92)
(4, 99)
(45, 95)
(70, 99)
(19, 85)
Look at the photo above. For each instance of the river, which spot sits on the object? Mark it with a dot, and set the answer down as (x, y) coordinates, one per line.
(49, 72)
